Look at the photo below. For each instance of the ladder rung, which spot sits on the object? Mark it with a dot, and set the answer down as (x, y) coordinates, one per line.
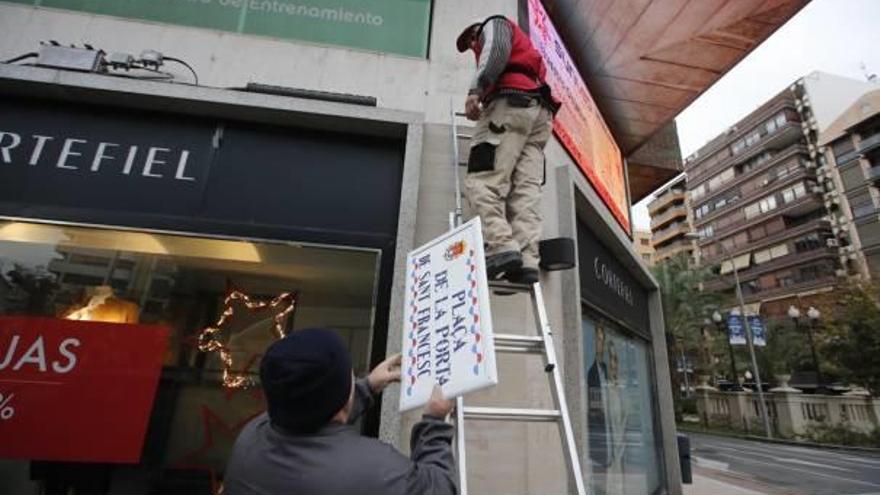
(505, 285)
(511, 414)
(518, 343)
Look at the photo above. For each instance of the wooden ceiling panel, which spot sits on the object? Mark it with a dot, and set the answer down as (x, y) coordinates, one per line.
(697, 54)
(645, 112)
(667, 75)
(644, 61)
(611, 88)
(616, 25)
(661, 52)
(643, 36)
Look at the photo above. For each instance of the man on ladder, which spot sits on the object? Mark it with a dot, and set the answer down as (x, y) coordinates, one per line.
(513, 107)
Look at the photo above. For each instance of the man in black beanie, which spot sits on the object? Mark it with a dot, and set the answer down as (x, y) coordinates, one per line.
(305, 444)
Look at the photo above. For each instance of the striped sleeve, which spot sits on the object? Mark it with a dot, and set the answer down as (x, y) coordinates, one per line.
(497, 39)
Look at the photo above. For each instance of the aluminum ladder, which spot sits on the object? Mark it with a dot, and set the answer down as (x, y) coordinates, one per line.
(517, 344)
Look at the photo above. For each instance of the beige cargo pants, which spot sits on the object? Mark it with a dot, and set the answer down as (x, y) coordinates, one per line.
(505, 172)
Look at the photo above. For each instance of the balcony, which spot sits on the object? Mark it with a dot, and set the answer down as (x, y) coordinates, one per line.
(754, 271)
(663, 235)
(797, 207)
(869, 143)
(817, 225)
(673, 249)
(778, 158)
(666, 198)
(665, 217)
(771, 186)
(798, 285)
(874, 174)
(865, 212)
(847, 157)
(784, 137)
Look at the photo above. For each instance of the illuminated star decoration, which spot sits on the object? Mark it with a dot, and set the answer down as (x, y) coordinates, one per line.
(209, 340)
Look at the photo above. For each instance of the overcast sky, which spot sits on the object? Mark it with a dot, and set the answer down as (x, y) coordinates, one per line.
(835, 36)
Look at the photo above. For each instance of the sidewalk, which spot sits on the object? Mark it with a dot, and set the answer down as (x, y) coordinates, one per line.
(704, 485)
(708, 481)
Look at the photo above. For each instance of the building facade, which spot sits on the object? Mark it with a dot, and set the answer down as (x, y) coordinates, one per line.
(761, 202)
(851, 148)
(282, 182)
(671, 226)
(643, 247)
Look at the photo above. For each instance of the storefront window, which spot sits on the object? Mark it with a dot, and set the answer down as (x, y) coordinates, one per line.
(622, 446)
(180, 285)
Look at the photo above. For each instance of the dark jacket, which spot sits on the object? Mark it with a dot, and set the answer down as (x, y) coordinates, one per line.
(337, 460)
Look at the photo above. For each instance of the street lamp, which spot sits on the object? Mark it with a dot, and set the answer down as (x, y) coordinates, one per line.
(718, 319)
(813, 314)
(762, 406)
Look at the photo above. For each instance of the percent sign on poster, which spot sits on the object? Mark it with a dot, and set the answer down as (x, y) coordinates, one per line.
(6, 409)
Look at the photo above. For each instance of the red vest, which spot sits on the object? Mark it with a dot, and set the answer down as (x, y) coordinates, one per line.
(525, 70)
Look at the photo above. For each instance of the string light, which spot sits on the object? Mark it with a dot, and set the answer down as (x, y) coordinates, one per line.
(209, 337)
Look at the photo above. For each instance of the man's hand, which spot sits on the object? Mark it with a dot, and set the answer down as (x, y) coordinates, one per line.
(472, 107)
(386, 372)
(439, 406)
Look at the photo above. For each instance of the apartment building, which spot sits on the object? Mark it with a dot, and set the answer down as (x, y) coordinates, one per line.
(761, 202)
(671, 221)
(851, 148)
(644, 248)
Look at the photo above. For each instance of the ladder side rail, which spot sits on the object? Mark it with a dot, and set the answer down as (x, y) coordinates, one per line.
(568, 444)
(460, 446)
(458, 208)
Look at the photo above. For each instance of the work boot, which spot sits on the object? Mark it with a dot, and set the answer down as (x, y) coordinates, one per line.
(527, 276)
(497, 265)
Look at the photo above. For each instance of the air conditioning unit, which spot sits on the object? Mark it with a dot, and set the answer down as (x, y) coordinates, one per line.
(840, 272)
(835, 229)
(832, 242)
(818, 190)
(809, 164)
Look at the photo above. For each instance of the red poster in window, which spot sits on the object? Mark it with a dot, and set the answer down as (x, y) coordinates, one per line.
(77, 390)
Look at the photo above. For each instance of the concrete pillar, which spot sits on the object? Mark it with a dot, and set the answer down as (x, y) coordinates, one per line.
(703, 405)
(874, 411)
(788, 411)
(739, 404)
(834, 415)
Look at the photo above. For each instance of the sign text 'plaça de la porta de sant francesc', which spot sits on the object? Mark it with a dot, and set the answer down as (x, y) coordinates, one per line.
(447, 322)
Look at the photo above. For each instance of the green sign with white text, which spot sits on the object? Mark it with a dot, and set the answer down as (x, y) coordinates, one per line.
(394, 26)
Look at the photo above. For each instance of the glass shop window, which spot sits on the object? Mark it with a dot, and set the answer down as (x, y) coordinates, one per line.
(623, 451)
(116, 283)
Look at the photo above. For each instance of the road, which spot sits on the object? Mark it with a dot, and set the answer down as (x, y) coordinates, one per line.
(789, 469)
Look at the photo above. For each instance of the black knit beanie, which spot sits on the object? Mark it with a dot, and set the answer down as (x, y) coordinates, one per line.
(307, 379)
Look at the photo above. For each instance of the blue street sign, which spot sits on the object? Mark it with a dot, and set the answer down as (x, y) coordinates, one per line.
(759, 333)
(736, 330)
